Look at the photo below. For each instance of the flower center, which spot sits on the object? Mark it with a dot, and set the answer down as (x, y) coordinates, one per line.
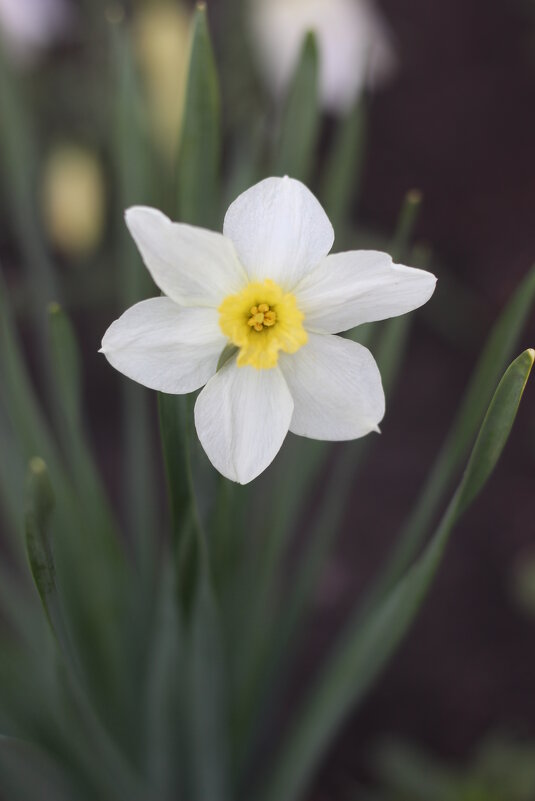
(261, 321)
(262, 316)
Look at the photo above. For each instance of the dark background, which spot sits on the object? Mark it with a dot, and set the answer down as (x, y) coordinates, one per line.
(458, 122)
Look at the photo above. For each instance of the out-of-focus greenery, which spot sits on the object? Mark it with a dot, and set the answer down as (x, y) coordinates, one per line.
(502, 769)
(161, 665)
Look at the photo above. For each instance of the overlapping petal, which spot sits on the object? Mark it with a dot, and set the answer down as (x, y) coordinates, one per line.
(193, 266)
(242, 417)
(336, 388)
(280, 231)
(361, 286)
(165, 347)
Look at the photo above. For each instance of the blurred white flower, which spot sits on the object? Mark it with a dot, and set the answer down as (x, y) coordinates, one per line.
(354, 45)
(73, 199)
(161, 36)
(267, 287)
(28, 26)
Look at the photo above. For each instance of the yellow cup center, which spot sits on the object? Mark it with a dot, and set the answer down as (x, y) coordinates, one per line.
(261, 321)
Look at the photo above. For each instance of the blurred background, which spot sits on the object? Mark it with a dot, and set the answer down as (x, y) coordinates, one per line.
(450, 112)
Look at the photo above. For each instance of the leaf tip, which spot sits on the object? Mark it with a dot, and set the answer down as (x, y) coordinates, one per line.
(54, 307)
(37, 466)
(414, 197)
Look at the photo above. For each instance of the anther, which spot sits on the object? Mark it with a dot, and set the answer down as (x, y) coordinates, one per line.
(261, 316)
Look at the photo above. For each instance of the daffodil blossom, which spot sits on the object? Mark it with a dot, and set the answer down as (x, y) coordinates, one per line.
(28, 26)
(267, 287)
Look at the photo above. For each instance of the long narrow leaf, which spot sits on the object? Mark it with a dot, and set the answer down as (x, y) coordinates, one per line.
(200, 146)
(492, 362)
(300, 123)
(365, 648)
(131, 171)
(342, 172)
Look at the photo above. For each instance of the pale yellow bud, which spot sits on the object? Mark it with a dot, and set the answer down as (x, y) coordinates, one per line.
(161, 36)
(73, 199)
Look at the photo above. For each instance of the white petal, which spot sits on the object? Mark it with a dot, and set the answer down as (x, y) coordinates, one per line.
(280, 230)
(336, 387)
(361, 286)
(242, 417)
(164, 346)
(192, 266)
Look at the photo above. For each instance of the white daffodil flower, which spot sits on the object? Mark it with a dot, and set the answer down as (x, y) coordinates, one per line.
(267, 287)
(354, 45)
(28, 26)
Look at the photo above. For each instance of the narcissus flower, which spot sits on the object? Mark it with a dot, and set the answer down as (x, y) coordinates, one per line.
(267, 288)
(354, 45)
(29, 26)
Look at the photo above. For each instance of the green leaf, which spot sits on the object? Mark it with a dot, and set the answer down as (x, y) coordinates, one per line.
(198, 197)
(495, 429)
(300, 123)
(19, 160)
(39, 548)
(133, 165)
(28, 774)
(366, 646)
(208, 700)
(200, 147)
(167, 736)
(189, 545)
(406, 224)
(492, 362)
(343, 169)
(67, 372)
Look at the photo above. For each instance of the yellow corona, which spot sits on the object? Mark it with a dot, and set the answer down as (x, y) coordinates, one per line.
(261, 321)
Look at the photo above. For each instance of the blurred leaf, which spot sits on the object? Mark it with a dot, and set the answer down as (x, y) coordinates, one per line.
(343, 168)
(406, 224)
(39, 509)
(300, 123)
(198, 195)
(132, 163)
(365, 646)
(495, 429)
(411, 774)
(28, 774)
(166, 735)
(208, 700)
(19, 161)
(18, 397)
(188, 537)
(67, 373)
(200, 146)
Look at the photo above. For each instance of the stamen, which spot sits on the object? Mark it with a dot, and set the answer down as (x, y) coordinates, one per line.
(261, 316)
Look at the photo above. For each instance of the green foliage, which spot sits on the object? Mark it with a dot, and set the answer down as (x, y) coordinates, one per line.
(501, 769)
(300, 124)
(163, 654)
